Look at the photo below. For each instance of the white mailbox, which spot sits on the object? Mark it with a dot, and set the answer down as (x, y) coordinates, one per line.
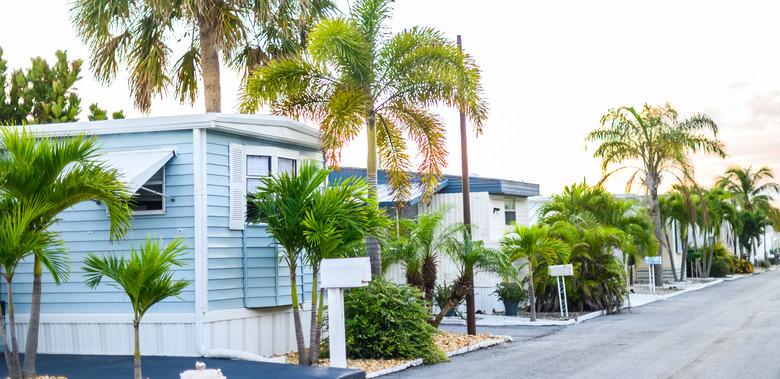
(335, 275)
(345, 272)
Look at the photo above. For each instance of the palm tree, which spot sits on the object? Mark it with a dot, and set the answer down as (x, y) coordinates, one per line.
(534, 244)
(752, 191)
(660, 143)
(417, 245)
(61, 173)
(471, 257)
(356, 74)
(17, 242)
(282, 202)
(147, 278)
(340, 218)
(142, 34)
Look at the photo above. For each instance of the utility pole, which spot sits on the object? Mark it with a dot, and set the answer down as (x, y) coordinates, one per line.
(471, 317)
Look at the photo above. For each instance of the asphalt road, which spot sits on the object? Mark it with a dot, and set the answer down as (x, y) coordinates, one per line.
(730, 330)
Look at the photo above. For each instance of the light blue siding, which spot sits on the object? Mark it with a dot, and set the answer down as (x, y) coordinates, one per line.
(84, 228)
(240, 276)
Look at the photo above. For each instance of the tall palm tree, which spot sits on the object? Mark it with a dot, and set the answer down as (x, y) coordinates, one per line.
(533, 244)
(61, 173)
(417, 247)
(146, 277)
(652, 142)
(282, 202)
(355, 74)
(17, 242)
(142, 34)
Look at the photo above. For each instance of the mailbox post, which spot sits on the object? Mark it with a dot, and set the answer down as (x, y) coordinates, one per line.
(560, 272)
(335, 276)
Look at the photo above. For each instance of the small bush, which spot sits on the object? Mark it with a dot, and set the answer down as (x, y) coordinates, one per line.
(511, 292)
(719, 268)
(744, 267)
(766, 264)
(385, 320)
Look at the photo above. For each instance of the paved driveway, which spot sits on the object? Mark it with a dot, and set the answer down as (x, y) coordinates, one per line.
(731, 330)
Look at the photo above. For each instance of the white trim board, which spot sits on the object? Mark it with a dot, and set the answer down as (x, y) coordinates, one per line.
(268, 127)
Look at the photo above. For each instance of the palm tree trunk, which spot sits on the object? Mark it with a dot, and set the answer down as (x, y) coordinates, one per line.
(209, 64)
(460, 289)
(6, 348)
(314, 326)
(655, 210)
(429, 277)
(137, 349)
(684, 264)
(471, 318)
(302, 357)
(671, 256)
(531, 293)
(315, 346)
(31, 349)
(15, 369)
(372, 246)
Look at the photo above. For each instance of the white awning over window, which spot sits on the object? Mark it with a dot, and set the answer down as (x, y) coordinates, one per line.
(136, 167)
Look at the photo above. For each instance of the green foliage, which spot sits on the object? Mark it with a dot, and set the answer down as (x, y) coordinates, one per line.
(43, 93)
(385, 320)
(141, 35)
(356, 74)
(443, 293)
(98, 114)
(146, 276)
(511, 292)
(416, 243)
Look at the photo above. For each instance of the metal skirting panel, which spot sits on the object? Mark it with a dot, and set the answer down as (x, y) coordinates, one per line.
(171, 339)
(265, 334)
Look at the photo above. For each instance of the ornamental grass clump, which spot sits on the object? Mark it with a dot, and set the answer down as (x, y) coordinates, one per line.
(385, 320)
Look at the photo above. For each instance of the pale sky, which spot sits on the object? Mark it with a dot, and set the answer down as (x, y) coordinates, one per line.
(550, 70)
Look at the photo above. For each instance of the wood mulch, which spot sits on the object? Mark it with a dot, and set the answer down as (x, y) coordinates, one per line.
(446, 341)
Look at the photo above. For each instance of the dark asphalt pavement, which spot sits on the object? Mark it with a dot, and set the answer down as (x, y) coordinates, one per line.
(730, 330)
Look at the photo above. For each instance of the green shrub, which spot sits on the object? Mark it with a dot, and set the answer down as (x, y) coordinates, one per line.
(719, 268)
(511, 292)
(766, 264)
(385, 320)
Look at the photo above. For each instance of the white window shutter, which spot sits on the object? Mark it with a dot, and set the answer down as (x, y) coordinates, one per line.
(237, 168)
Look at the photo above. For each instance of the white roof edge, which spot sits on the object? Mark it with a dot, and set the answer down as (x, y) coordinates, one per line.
(219, 121)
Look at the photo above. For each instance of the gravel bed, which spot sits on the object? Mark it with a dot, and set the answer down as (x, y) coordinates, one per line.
(446, 341)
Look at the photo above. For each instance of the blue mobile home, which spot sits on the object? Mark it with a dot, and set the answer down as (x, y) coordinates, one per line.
(190, 175)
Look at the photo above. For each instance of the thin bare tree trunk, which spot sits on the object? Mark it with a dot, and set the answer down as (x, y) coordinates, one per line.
(209, 63)
(372, 245)
(6, 347)
(471, 319)
(302, 357)
(315, 346)
(671, 256)
(137, 349)
(684, 265)
(460, 289)
(531, 293)
(31, 349)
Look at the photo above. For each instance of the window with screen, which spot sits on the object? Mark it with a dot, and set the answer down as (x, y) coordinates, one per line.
(286, 165)
(150, 198)
(257, 167)
(510, 212)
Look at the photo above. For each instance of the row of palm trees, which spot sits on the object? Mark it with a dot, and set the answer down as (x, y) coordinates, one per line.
(737, 209)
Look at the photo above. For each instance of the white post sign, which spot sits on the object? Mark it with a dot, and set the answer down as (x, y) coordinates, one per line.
(560, 272)
(651, 262)
(335, 276)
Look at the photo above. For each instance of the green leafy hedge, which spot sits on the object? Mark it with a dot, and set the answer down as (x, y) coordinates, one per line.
(385, 320)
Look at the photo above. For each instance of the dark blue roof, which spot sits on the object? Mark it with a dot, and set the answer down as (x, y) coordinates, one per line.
(448, 184)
